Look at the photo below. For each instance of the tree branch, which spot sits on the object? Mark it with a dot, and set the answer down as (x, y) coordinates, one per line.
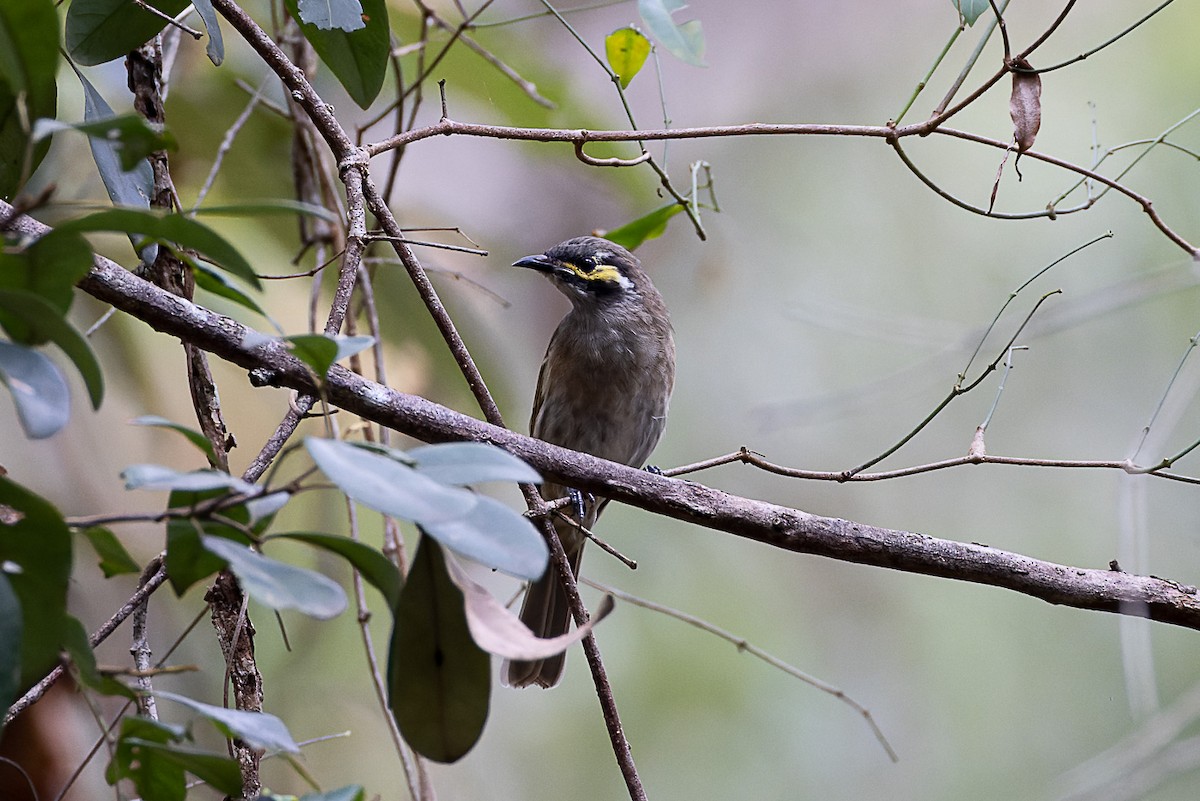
(579, 137)
(1105, 590)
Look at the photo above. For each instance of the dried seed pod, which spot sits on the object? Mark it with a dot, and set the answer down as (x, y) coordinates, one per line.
(1025, 105)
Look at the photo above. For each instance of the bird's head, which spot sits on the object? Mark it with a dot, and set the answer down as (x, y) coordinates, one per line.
(590, 270)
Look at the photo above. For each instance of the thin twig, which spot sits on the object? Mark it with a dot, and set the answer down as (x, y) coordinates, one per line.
(226, 143)
(1105, 43)
(143, 592)
(745, 646)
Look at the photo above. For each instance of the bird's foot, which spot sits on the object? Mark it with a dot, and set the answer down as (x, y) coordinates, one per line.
(581, 501)
(653, 469)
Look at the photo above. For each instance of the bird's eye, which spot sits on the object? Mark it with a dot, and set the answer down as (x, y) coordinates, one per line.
(587, 265)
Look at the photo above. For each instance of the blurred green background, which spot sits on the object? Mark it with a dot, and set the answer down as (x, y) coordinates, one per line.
(830, 309)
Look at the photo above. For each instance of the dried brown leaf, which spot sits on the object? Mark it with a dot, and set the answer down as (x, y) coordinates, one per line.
(498, 631)
(1025, 105)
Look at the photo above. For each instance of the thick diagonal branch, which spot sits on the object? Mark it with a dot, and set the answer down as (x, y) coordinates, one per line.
(789, 529)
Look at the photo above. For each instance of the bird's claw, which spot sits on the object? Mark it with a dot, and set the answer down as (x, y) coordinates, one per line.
(653, 469)
(581, 500)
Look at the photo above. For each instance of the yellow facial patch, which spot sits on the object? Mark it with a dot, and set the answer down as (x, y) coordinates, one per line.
(601, 274)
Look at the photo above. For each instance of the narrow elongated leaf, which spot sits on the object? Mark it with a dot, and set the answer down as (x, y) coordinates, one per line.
(498, 631)
(114, 559)
(216, 282)
(463, 463)
(38, 389)
(374, 566)
(190, 434)
(169, 228)
(35, 550)
(158, 477)
(133, 188)
(28, 91)
(386, 485)
(102, 30)
(79, 649)
(631, 235)
(257, 729)
(270, 206)
(41, 322)
(439, 680)
(216, 45)
(279, 585)
(358, 59)
(626, 50)
(131, 135)
(685, 42)
(496, 536)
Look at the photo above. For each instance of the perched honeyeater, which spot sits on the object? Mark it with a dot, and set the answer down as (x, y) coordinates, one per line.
(603, 389)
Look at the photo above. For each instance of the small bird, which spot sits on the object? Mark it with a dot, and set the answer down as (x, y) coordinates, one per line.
(603, 389)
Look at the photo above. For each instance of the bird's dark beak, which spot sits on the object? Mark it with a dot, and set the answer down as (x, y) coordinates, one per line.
(541, 263)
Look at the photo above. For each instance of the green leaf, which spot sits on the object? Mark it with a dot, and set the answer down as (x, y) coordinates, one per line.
(496, 536)
(279, 585)
(218, 283)
(462, 463)
(271, 206)
(685, 41)
(631, 235)
(220, 772)
(351, 792)
(386, 485)
(169, 228)
(970, 10)
(148, 754)
(10, 642)
(114, 559)
(358, 59)
(79, 649)
(627, 50)
(38, 389)
(35, 552)
(43, 323)
(320, 351)
(262, 509)
(256, 729)
(158, 477)
(135, 759)
(374, 566)
(190, 434)
(316, 350)
(346, 15)
(439, 680)
(473, 525)
(49, 267)
(133, 188)
(28, 89)
(102, 30)
(216, 45)
(187, 561)
(131, 136)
